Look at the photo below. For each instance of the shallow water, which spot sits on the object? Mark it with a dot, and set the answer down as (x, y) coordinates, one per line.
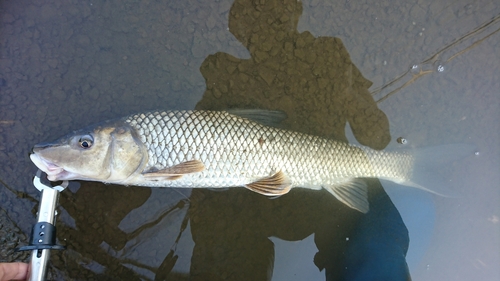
(435, 73)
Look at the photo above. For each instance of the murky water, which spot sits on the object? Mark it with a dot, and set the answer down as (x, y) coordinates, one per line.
(425, 73)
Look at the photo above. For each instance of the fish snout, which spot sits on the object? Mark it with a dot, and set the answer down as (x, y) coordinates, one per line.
(41, 146)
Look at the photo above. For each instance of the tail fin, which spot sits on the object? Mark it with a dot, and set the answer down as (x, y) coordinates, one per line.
(429, 160)
(423, 176)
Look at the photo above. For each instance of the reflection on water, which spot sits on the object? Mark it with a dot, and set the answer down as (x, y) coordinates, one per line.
(65, 65)
(231, 242)
(437, 62)
(97, 210)
(232, 230)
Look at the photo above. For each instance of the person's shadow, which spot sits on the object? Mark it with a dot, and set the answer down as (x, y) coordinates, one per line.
(315, 83)
(312, 79)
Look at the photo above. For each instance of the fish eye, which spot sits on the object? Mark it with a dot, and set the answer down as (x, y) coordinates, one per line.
(85, 142)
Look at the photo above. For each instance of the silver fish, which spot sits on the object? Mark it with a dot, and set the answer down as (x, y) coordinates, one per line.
(215, 149)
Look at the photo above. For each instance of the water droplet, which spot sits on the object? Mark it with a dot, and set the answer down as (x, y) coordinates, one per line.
(476, 153)
(416, 69)
(402, 140)
(439, 66)
(428, 266)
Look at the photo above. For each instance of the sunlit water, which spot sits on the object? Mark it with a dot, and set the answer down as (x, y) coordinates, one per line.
(435, 73)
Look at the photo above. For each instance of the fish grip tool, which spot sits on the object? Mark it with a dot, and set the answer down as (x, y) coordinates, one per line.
(43, 234)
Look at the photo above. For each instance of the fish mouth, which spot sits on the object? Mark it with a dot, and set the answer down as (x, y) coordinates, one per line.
(53, 171)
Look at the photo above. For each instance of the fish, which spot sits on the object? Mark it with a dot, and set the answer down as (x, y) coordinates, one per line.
(220, 149)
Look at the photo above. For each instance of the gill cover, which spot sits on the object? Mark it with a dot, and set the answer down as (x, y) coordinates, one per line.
(128, 155)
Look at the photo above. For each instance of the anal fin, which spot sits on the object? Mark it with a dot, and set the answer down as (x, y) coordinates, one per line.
(176, 171)
(277, 184)
(353, 193)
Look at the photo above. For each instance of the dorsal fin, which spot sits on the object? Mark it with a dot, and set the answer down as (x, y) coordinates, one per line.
(265, 117)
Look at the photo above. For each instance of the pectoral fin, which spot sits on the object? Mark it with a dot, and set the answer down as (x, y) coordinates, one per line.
(354, 194)
(277, 184)
(176, 171)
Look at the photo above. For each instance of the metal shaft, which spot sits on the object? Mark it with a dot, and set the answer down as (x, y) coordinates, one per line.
(46, 213)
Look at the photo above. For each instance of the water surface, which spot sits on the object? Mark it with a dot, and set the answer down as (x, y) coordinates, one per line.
(367, 73)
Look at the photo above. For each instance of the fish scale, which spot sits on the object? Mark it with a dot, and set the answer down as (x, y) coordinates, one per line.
(237, 151)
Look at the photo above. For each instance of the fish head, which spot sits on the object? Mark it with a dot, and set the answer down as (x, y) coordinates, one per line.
(108, 152)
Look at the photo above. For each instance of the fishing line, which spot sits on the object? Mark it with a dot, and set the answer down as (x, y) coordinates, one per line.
(434, 63)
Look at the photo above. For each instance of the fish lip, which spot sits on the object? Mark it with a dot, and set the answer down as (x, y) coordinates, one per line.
(53, 171)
